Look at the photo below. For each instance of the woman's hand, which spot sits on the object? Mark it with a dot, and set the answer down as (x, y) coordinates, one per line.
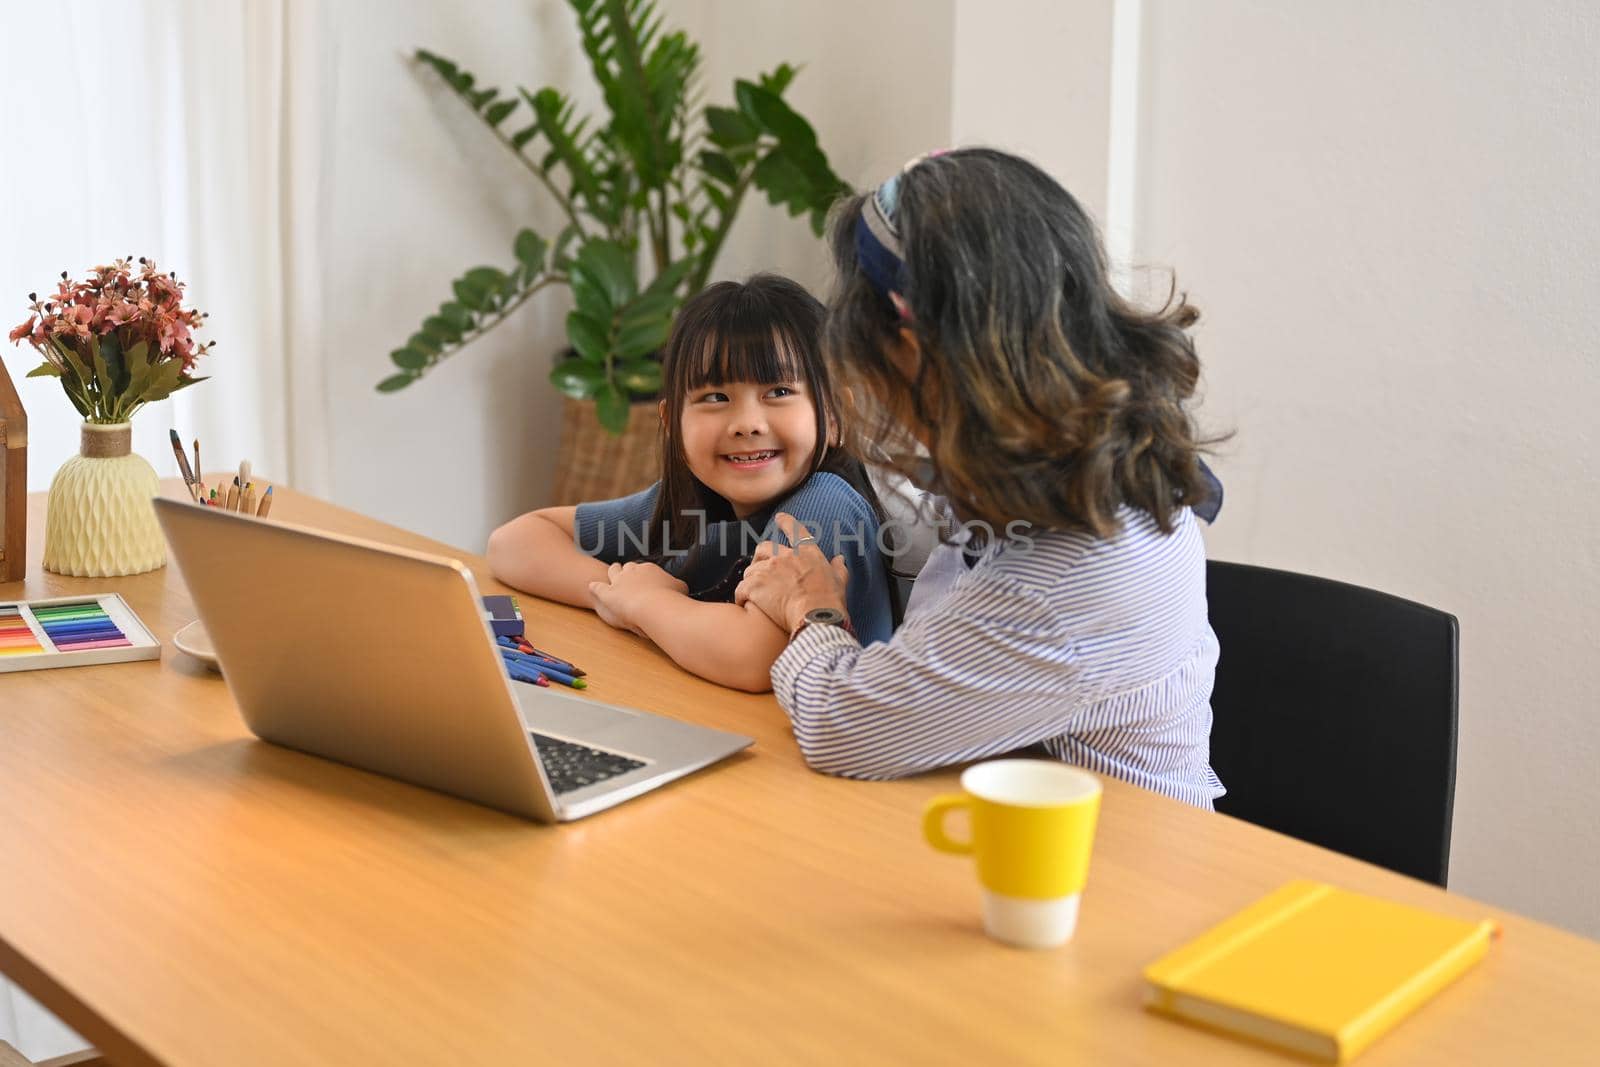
(786, 583)
(628, 586)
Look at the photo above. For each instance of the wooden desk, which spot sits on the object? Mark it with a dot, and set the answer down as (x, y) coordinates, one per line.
(182, 894)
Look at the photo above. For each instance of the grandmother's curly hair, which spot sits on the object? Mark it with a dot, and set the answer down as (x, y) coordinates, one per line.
(1043, 395)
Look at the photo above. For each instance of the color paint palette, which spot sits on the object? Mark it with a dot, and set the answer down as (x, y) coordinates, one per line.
(72, 632)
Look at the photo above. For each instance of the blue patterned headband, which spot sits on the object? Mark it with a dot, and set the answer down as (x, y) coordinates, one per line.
(878, 247)
(878, 240)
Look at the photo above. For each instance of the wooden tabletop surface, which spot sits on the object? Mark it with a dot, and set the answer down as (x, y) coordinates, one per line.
(184, 894)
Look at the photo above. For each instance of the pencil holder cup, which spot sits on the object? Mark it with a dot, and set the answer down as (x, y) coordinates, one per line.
(98, 521)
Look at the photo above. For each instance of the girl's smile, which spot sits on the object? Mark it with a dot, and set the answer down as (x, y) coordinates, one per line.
(749, 461)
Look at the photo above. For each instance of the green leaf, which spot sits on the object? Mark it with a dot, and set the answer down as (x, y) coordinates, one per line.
(773, 115)
(76, 365)
(138, 363)
(729, 128)
(611, 404)
(719, 167)
(778, 80)
(559, 260)
(446, 69)
(649, 308)
(424, 344)
(591, 339)
(456, 316)
(45, 370)
(640, 376)
(102, 372)
(667, 281)
(409, 358)
(494, 281)
(497, 114)
(554, 116)
(111, 349)
(522, 137)
(643, 338)
(530, 250)
(608, 265)
(470, 294)
(163, 380)
(781, 180)
(589, 295)
(396, 381)
(439, 329)
(577, 378)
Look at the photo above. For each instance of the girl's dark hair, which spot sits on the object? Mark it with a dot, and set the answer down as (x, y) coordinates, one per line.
(765, 329)
(1045, 396)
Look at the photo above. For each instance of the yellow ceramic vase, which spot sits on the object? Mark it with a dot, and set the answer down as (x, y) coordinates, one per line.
(99, 523)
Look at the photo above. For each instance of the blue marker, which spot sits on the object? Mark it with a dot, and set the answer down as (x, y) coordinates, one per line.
(525, 662)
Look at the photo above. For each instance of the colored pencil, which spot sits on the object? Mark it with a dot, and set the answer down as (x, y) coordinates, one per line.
(518, 660)
(232, 503)
(183, 463)
(247, 499)
(519, 644)
(531, 677)
(539, 662)
(266, 504)
(522, 645)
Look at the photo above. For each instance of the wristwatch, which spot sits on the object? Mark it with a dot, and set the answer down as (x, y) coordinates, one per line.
(824, 617)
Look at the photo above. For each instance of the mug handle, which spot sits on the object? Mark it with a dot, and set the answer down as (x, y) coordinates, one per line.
(933, 823)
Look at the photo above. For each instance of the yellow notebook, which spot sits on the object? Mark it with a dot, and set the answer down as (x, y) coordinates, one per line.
(1314, 969)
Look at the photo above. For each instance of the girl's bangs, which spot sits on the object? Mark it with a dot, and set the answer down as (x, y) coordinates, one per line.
(743, 352)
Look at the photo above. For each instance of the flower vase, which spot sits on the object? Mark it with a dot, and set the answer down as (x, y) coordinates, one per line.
(99, 522)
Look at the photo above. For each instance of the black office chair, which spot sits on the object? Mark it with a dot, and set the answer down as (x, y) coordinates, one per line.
(1335, 715)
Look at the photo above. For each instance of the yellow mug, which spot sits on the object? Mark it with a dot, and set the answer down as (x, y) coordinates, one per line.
(1032, 830)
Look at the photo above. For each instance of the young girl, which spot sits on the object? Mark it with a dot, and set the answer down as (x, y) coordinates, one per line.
(748, 426)
(973, 306)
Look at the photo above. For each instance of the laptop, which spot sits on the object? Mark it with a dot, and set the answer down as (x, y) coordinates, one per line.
(381, 658)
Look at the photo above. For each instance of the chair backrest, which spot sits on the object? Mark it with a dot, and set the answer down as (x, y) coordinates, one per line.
(1334, 715)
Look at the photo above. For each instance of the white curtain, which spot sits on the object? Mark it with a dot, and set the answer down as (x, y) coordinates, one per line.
(195, 133)
(189, 132)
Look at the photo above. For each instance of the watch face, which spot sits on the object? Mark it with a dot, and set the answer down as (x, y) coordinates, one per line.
(825, 616)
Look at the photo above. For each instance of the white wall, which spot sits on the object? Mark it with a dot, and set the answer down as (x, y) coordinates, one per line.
(1035, 79)
(1386, 213)
(419, 191)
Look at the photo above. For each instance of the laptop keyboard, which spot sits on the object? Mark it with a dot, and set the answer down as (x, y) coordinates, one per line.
(572, 766)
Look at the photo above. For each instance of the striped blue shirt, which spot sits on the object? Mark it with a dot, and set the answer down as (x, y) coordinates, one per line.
(1099, 649)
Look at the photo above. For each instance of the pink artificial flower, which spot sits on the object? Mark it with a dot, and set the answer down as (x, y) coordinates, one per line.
(22, 331)
(122, 313)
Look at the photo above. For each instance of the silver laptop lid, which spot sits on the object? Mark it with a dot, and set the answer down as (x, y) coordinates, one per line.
(371, 655)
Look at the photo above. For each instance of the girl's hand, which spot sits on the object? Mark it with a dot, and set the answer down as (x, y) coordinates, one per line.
(617, 599)
(786, 583)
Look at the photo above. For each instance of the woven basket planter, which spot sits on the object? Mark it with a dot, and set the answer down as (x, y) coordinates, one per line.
(593, 464)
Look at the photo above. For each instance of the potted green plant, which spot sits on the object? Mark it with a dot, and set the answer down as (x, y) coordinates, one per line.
(658, 183)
